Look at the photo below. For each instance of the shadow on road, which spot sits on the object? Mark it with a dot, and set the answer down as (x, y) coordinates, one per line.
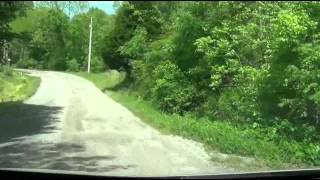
(59, 156)
(18, 119)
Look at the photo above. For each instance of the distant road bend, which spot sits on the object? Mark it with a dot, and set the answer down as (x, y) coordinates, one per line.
(71, 125)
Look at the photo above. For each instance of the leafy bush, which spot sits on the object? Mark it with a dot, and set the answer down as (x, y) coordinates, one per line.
(143, 77)
(172, 90)
(29, 63)
(97, 64)
(73, 65)
(256, 141)
(7, 70)
(142, 69)
(136, 46)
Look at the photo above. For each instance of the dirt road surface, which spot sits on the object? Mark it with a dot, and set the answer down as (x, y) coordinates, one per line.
(71, 125)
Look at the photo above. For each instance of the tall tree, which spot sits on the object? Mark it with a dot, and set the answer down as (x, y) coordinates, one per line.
(9, 10)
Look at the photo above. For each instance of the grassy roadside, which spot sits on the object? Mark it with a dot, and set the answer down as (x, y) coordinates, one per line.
(104, 80)
(266, 152)
(16, 86)
(215, 135)
(247, 148)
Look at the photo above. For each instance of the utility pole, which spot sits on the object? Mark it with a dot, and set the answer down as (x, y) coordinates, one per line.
(89, 57)
(5, 57)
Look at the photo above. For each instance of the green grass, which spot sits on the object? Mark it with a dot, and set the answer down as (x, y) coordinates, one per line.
(104, 80)
(218, 136)
(17, 86)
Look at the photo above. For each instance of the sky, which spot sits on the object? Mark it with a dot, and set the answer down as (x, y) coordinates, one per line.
(104, 5)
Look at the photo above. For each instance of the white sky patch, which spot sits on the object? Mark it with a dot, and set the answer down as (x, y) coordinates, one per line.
(107, 6)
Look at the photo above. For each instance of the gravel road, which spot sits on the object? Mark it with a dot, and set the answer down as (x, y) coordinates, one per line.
(71, 125)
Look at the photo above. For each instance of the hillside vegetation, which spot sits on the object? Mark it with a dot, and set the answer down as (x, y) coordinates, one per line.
(16, 86)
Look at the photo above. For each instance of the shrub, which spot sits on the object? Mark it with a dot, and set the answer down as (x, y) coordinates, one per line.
(29, 63)
(143, 78)
(73, 65)
(6, 70)
(172, 90)
(97, 64)
(137, 44)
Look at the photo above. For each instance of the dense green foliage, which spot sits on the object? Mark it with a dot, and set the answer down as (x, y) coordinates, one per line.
(270, 150)
(200, 55)
(53, 40)
(225, 137)
(9, 10)
(16, 86)
(246, 63)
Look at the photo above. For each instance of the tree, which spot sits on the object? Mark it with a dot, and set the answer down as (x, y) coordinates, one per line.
(79, 34)
(8, 12)
(69, 7)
